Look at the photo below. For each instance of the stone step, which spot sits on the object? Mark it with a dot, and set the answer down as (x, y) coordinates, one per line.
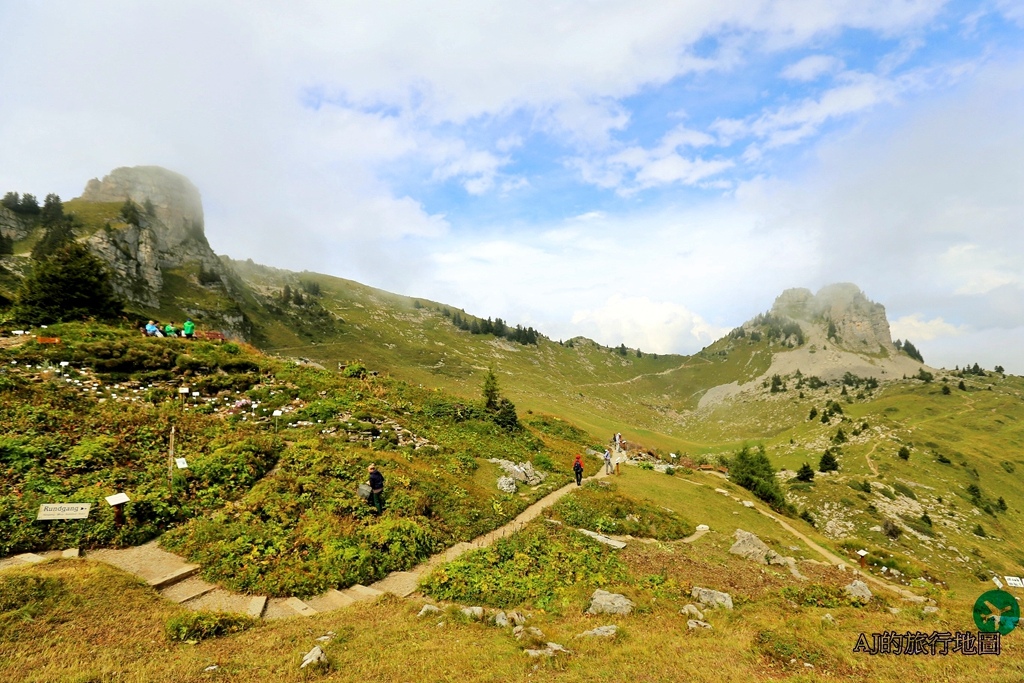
(401, 584)
(360, 592)
(300, 607)
(219, 600)
(174, 576)
(189, 589)
(256, 606)
(329, 601)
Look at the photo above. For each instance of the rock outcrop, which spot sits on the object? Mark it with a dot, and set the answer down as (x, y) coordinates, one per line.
(169, 234)
(177, 205)
(12, 225)
(860, 324)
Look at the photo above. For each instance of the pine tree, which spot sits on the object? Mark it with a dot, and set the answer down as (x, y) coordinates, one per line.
(130, 212)
(69, 285)
(828, 462)
(286, 294)
(805, 473)
(53, 210)
(490, 390)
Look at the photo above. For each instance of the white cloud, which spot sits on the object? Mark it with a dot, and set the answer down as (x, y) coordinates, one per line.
(639, 322)
(916, 328)
(812, 67)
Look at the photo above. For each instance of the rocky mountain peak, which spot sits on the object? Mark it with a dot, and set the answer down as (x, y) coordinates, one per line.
(858, 323)
(177, 205)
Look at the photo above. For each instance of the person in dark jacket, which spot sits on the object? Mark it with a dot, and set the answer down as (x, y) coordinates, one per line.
(577, 468)
(377, 489)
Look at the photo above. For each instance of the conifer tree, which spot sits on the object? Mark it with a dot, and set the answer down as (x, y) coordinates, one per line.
(69, 285)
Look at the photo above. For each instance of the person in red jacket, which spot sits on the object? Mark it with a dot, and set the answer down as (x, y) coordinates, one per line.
(577, 468)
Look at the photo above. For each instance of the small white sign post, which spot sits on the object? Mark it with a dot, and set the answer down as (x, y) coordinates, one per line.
(1014, 581)
(117, 502)
(277, 414)
(863, 554)
(181, 463)
(117, 499)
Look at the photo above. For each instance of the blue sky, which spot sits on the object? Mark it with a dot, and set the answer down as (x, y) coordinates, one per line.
(643, 172)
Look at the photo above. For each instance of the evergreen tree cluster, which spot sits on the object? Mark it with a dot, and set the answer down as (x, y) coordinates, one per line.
(774, 328)
(975, 370)
(497, 327)
(752, 470)
(25, 204)
(909, 349)
(69, 284)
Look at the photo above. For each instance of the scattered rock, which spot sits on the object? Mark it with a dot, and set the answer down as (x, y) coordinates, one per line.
(601, 632)
(473, 612)
(506, 484)
(520, 631)
(697, 623)
(501, 620)
(858, 589)
(748, 503)
(428, 610)
(722, 491)
(703, 527)
(600, 538)
(522, 472)
(517, 618)
(603, 602)
(691, 610)
(325, 638)
(894, 610)
(829, 619)
(550, 651)
(212, 667)
(711, 598)
(930, 609)
(314, 657)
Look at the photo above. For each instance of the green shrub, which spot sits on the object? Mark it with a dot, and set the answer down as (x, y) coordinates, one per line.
(603, 509)
(753, 471)
(191, 627)
(904, 490)
(536, 566)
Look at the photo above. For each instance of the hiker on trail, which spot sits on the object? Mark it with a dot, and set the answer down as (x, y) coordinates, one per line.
(618, 441)
(151, 329)
(188, 329)
(577, 468)
(377, 489)
(607, 462)
(170, 330)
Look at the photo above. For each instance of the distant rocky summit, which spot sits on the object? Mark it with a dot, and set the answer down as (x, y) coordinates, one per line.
(177, 205)
(857, 323)
(169, 233)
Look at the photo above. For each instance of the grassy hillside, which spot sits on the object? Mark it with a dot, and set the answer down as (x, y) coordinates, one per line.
(267, 504)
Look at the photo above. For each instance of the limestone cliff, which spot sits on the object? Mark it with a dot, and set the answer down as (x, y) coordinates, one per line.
(859, 324)
(12, 225)
(168, 238)
(177, 205)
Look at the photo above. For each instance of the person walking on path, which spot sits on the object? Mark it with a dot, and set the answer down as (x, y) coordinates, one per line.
(376, 489)
(188, 329)
(577, 468)
(607, 462)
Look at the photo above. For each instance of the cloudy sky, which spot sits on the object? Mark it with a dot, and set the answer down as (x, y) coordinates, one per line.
(653, 173)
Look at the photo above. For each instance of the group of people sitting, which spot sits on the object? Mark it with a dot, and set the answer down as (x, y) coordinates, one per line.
(187, 330)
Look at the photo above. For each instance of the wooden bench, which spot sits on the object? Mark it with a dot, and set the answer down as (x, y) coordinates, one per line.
(212, 335)
(48, 340)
